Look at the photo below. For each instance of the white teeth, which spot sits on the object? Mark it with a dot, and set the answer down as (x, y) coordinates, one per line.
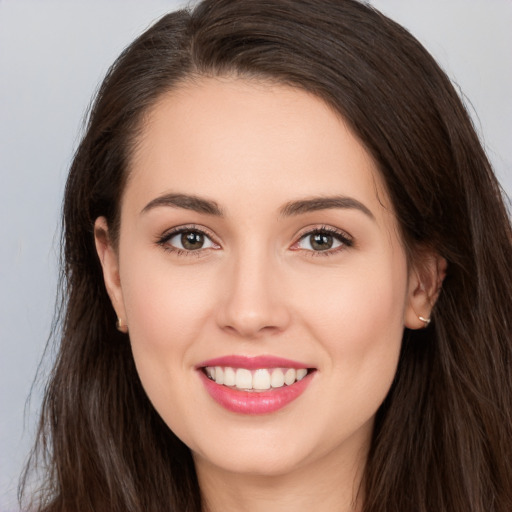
(301, 373)
(261, 379)
(277, 380)
(229, 377)
(219, 375)
(258, 380)
(243, 379)
(290, 376)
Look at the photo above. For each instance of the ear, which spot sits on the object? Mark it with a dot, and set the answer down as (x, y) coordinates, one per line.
(110, 264)
(425, 282)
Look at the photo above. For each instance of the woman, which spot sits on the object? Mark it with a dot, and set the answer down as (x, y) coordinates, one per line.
(287, 269)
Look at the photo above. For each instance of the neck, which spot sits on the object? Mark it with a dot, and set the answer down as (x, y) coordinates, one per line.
(332, 487)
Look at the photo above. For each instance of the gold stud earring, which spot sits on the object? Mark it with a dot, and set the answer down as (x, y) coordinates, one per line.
(426, 321)
(120, 327)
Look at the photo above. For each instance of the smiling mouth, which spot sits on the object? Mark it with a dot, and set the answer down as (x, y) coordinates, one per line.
(258, 380)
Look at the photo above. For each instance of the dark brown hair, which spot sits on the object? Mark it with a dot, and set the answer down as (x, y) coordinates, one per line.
(443, 437)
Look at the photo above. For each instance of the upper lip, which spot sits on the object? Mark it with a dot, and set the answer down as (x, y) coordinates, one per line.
(253, 363)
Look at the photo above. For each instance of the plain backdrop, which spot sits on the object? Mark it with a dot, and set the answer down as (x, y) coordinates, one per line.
(53, 55)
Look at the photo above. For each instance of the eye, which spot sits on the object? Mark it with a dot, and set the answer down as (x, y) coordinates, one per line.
(187, 240)
(323, 240)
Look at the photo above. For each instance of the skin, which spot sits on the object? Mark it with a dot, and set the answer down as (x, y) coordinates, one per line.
(260, 289)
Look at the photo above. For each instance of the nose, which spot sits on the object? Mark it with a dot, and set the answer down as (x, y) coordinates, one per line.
(253, 300)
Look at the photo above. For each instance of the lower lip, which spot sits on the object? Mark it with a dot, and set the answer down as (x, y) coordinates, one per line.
(254, 402)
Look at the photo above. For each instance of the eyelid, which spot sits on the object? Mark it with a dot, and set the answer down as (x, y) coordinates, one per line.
(345, 239)
(342, 236)
(164, 238)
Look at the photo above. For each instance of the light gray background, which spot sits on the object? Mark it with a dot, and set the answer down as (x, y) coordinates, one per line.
(53, 55)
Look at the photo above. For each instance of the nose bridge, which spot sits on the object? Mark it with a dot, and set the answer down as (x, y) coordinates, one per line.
(253, 301)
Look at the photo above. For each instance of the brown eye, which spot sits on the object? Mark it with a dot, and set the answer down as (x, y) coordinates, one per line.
(192, 240)
(321, 241)
(188, 240)
(324, 240)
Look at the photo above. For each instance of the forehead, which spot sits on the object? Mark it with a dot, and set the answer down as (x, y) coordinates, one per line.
(229, 138)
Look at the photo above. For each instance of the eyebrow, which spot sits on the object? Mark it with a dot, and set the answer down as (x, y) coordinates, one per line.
(324, 203)
(293, 208)
(186, 202)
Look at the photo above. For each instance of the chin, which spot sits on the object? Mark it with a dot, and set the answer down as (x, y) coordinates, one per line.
(258, 461)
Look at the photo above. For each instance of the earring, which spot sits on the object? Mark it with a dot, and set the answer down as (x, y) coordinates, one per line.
(120, 327)
(426, 321)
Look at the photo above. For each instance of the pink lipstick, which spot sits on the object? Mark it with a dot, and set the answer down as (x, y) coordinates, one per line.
(254, 385)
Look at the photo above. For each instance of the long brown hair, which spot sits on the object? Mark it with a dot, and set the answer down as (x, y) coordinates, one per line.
(443, 437)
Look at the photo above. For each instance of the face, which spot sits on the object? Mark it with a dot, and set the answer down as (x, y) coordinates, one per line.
(261, 275)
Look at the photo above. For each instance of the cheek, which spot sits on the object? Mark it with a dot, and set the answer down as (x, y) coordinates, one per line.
(357, 315)
(369, 297)
(165, 304)
(358, 320)
(166, 309)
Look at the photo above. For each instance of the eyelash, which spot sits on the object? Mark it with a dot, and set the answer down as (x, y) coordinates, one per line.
(346, 241)
(163, 241)
(343, 238)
